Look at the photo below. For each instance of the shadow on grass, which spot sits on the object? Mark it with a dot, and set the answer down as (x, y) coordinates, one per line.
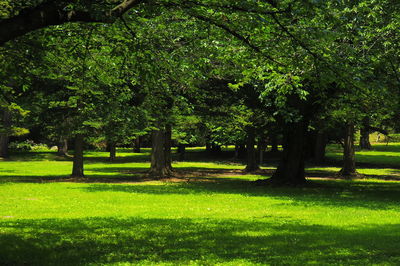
(184, 241)
(373, 196)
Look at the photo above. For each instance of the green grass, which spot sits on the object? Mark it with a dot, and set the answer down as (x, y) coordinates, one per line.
(207, 220)
(381, 154)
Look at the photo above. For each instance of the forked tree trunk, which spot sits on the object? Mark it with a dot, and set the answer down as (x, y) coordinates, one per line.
(290, 170)
(252, 164)
(113, 151)
(136, 145)
(77, 168)
(320, 146)
(349, 160)
(160, 159)
(62, 147)
(5, 135)
(364, 135)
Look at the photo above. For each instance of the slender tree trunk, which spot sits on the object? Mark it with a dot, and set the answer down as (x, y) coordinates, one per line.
(77, 169)
(252, 164)
(136, 145)
(160, 165)
(62, 147)
(274, 143)
(236, 156)
(364, 135)
(167, 147)
(5, 135)
(261, 148)
(349, 160)
(208, 146)
(290, 170)
(320, 146)
(113, 151)
(182, 151)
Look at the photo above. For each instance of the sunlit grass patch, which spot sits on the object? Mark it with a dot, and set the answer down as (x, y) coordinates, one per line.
(211, 214)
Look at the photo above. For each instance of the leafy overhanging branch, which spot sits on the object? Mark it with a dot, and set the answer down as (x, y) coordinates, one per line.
(56, 12)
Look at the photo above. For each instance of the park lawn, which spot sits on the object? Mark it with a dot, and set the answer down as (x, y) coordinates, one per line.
(220, 219)
(381, 154)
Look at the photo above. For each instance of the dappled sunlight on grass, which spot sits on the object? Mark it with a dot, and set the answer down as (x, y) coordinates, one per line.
(209, 213)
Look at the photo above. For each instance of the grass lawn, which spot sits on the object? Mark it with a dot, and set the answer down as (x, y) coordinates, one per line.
(210, 215)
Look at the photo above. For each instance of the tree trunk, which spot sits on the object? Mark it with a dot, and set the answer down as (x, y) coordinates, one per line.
(320, 146)
(290, 170)
(136, 145)
(77, 169)
(167, 147)
(236, 156)
(182, 151)
(261, 148)
(113, 151)
(5, 135)
(349, 160)
(252, 164)
(62, 147)
(364, 135)
(160, 167)
(274, 143)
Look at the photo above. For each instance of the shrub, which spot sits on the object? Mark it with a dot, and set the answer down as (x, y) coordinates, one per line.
(27, 145)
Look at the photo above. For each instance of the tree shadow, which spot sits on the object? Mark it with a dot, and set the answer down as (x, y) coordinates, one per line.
(183, 241)
(319, 193)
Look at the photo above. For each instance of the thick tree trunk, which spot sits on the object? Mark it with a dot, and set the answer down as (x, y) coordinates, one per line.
(320, 146)
(77, 168)
(349, 160)
(136, 145)
(290, 170)
(5, 135)
(160, 159)
(113, 151)
(252, 164)
(62, 147)
(364, 135)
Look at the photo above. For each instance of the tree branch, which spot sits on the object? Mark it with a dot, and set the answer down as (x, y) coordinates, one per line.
(235, 34)
(55, 13)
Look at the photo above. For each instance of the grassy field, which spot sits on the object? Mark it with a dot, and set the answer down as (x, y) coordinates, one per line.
(210, 214)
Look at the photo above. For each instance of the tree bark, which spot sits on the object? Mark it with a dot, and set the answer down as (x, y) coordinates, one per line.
(290, 170)
(252, 164)
(136, 145)
(364, 135)
(77, 168)
(5, 135)
(320, 146)
(56, 12)
(62, 147)
(349, 160)
(160, 164)
(113, 151)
